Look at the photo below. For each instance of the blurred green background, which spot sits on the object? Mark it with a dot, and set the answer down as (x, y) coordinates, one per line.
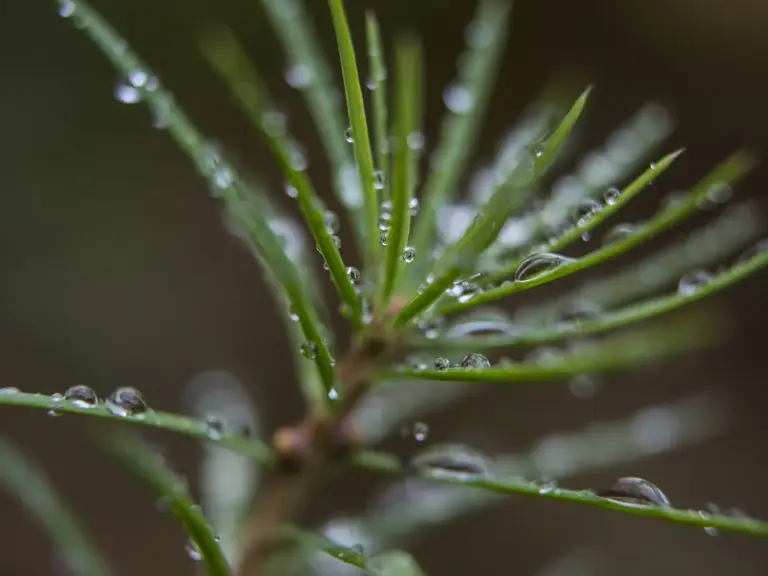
(116, 269)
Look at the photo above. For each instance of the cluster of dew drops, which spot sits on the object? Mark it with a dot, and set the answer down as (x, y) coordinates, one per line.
(124, 402)
(461, 463)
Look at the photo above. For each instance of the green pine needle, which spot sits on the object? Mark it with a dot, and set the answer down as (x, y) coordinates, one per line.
(139, 458)
(408, 84)
(730, 171)
(28, 482)
(359, 131)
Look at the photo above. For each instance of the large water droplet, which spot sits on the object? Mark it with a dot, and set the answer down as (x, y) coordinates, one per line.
(309, 349)
(409, 254)
(475, 361)
(384, 238)
(126, 401)
(537, 265)
(693, 282)
(348, 135)
(298, 76)
(637, 492)
(81, 396)
(442, 364)
(458, 99)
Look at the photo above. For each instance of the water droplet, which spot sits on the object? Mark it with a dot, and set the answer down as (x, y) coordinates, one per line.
(719, 193)
(475, 361)
(193, 551)
(379, 180)
(709, 530)
(348, 135)
(292, 315)
(298, 76)
(214, 427)
(451, 460)
(353, 274)
(430, 327)
(635, 492)
(222, 178)
(478, 34)
(611, 195)
(693, 281)
(127, 94)
(57, 399)
(582, 386)
(547, 486)
(385, 221)
(420, 431)
(333, 394)
(384, 239)
(297, 158)
(409, 254)
(332, 223)
(274, 123)
(537, 265)
(9, 390)
(138, 78)
(309, 349)
(419, 365)
(126, 402)
(442, 364)
(66, 8)
(81, 396)
(458, 99)
(585, 211)
(291, 191)
(618, 232)
(415, 141)
(413, 206)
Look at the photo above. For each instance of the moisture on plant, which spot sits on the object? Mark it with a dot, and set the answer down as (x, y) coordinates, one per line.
(428, 291)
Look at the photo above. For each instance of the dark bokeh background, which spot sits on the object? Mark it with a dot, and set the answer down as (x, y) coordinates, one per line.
(116, 270)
